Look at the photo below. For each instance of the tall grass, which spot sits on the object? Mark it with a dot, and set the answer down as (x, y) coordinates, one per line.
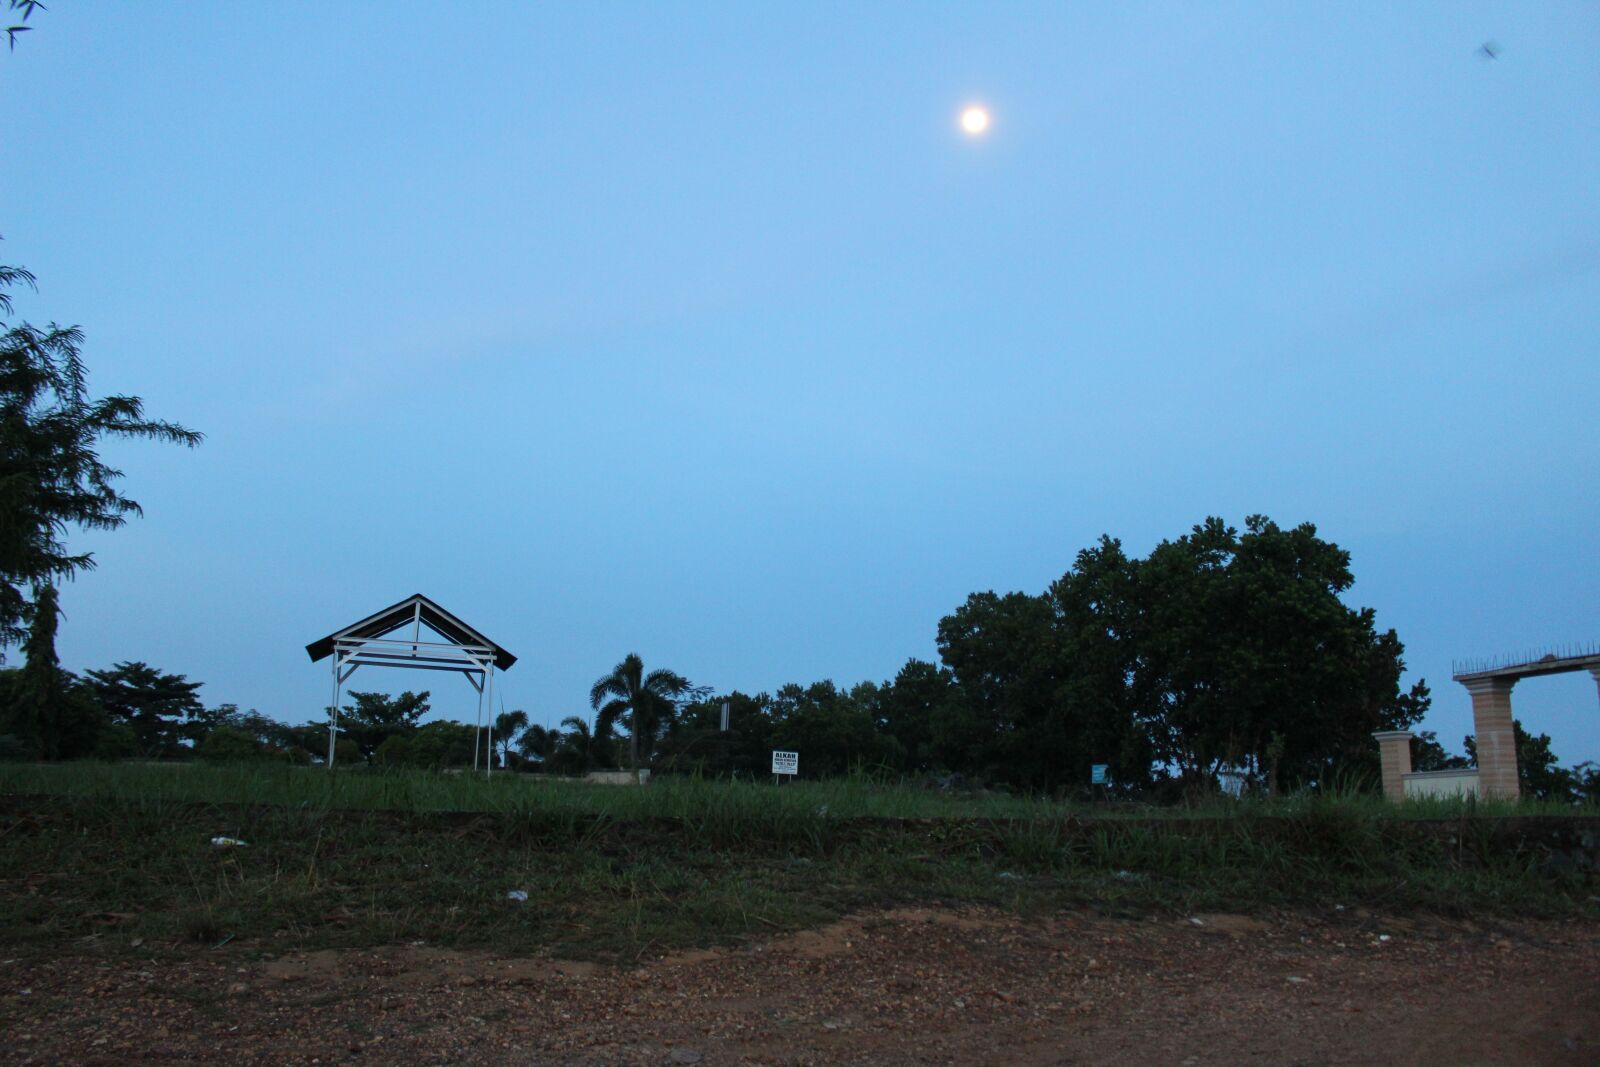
(688, 798)
(124, 852)
(719, 807)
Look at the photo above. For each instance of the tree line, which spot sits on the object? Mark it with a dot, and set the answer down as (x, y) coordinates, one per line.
(1221, 648)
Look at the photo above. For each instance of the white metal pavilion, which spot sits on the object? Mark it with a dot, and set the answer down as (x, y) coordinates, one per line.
(372, 643)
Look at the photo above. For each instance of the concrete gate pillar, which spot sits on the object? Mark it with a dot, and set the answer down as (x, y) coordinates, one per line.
(1394, 754)
(1496, 737)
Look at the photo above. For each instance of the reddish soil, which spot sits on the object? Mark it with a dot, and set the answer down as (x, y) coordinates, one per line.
(898, 987)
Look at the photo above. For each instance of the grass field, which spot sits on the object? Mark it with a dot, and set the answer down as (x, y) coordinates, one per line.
(116, 855)
(670, 797)
(502, 792)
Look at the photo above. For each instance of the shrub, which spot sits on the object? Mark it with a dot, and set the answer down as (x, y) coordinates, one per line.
(116, 741)
(228, 744)
(347, 752)
(394, 752)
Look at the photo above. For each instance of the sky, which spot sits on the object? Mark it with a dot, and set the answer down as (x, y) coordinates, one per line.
(702, 331)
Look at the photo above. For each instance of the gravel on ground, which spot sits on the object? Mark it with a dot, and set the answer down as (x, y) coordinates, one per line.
(898, 987)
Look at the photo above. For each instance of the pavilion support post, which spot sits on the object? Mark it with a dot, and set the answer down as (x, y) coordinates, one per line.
(1496, 737)
(477, 729)
(333, 711)
(489, 685)
(1394, 754)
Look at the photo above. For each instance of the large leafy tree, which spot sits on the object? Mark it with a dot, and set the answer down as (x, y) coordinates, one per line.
(696, 742)
(1095, 613)
(162, 709)
(638, 700)
(1249, 656)
(372, 718)
(51, 474)
(1004, 654)
(1041, 682)
(833, 730)
(917, 708)
(1220, 648)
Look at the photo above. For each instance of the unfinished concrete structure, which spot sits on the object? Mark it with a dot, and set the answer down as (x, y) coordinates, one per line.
(1394, 755)
(1400, 781)
(1490, 684)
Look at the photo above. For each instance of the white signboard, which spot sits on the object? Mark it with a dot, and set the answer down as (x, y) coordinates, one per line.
(785, 762)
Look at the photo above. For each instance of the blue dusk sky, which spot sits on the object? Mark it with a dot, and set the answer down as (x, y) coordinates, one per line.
(702, 331)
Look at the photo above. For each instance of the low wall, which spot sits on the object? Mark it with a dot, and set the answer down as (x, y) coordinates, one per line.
(616, 777)
(1463, 782)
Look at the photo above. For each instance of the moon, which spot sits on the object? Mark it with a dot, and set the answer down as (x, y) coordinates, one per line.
(975, 120)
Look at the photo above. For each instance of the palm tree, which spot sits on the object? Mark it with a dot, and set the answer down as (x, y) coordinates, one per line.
(539, 743)
(636, 698)
(579, 739)
(564, 753)
(506, 725)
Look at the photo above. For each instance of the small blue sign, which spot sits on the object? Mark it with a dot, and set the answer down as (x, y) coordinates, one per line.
(1097, 774)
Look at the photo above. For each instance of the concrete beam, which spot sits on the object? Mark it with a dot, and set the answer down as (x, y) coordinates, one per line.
(1551, 664)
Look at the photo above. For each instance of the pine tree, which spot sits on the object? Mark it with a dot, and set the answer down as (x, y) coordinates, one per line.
(51, 475)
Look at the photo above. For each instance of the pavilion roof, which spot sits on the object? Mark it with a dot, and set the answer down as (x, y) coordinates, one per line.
(405, 613)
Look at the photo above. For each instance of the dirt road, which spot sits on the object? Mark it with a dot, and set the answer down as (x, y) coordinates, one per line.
(900, 987)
